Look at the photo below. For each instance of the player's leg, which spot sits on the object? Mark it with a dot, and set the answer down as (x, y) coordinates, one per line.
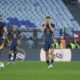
(46, 49)
(47, 57)
(51, 56)
(10, 52)
(14, 58)
(9, 55)
(51, 53)
(15, 52)
(0, 54)
(1, 44)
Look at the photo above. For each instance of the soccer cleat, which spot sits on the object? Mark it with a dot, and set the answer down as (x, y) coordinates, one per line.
(8, 63)
(50, 66)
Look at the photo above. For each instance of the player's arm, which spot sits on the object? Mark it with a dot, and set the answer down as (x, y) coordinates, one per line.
(5, 32)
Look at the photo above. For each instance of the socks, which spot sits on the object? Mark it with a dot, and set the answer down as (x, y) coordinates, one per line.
(9, 57)
(52, 61)
(48, 62)
(14, 57)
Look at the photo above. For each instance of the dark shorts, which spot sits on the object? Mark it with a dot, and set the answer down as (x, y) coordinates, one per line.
(48, 44)
(13, 47)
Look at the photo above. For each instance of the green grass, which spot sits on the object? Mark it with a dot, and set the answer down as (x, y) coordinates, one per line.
(39, 71)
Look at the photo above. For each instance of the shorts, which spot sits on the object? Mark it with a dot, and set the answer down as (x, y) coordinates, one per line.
(48, 44)
(13, 47)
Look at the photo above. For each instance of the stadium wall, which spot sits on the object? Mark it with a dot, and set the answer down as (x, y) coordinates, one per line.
(34, 55)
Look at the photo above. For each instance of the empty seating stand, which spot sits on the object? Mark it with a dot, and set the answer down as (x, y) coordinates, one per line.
(36, 10)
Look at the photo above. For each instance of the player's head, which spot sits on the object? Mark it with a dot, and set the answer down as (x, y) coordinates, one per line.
(48, 18)
(14, 27)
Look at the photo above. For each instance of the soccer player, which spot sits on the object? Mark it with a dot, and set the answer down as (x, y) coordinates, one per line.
(3, 33)
(48, 29)
(13, 41)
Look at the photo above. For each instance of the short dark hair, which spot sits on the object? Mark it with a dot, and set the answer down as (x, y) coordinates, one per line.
(48, 17)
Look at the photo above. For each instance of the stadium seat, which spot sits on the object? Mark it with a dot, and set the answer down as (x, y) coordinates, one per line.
(37, 10)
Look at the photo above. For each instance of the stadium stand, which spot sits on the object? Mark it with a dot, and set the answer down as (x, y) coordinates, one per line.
(31, 13)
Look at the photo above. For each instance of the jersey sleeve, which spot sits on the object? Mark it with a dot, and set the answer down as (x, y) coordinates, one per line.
(43, 25)
(53, 25)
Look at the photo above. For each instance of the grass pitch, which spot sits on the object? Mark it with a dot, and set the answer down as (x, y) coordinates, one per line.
(39, 71)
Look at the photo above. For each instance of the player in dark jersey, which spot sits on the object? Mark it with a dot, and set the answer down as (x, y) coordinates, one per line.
(48, 29)
(3, 33)
(13, 41)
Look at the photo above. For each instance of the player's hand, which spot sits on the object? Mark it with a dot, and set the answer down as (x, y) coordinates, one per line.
(49, 23)
(45, 22)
